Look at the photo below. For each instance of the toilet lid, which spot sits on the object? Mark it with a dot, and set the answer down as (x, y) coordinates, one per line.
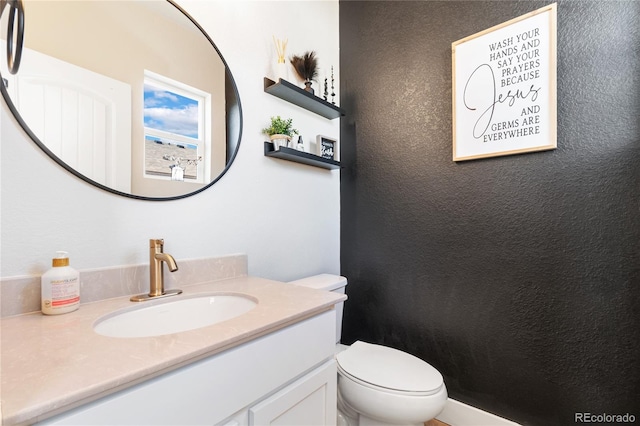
(389, 368)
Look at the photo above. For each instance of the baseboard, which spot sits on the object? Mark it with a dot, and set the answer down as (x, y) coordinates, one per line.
(456, 413)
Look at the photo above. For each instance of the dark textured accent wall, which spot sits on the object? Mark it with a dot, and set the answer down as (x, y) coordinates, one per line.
(517, 277)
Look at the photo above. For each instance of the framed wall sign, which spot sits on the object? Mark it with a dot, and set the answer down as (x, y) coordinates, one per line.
(504, 88)
(327, 147)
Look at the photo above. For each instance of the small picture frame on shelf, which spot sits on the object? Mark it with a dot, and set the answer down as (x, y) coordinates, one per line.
(328, 147)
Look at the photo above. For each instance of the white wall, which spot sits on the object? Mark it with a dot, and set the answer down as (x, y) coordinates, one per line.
(284, 216)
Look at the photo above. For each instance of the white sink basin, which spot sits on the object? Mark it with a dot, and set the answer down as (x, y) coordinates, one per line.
(174, 315)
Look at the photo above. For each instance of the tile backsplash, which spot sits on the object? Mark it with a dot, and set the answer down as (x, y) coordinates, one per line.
(20, 295)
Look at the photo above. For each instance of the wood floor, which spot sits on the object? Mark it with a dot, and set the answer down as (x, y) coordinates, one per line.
(435, 422)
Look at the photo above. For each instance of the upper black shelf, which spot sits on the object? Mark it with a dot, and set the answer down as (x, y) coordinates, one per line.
(297, 96)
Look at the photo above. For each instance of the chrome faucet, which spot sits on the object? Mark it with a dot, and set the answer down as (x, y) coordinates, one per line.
(156, 272)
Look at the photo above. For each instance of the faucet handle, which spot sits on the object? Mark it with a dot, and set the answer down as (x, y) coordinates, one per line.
(156, 242)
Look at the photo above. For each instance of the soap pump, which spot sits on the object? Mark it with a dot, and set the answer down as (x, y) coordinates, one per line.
(60, 287)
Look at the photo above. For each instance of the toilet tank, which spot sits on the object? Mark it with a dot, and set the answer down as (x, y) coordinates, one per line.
(327, 282)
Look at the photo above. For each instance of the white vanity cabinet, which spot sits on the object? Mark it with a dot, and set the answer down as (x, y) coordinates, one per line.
(286, 377)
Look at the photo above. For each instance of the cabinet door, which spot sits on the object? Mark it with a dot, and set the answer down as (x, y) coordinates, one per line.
(311, 400)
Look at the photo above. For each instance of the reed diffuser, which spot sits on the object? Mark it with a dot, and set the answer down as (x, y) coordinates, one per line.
(282, 71)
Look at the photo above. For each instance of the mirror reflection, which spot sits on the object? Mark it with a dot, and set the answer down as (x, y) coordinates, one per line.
(129, 95)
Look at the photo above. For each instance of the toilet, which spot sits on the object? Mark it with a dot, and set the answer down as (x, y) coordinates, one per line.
(378, 385)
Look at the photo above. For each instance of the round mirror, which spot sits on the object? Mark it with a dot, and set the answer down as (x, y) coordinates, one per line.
(132, 96)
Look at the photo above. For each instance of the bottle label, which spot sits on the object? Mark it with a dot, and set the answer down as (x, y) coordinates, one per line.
(64, 292)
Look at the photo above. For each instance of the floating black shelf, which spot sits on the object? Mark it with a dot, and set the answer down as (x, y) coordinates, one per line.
(291, 154)
(297, 96)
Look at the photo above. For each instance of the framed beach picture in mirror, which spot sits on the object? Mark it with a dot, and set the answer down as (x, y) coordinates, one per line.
(504, 88)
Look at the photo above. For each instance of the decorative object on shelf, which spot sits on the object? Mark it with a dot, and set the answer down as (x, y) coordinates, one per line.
(282, 70)
(300, 145)
(326, 89)
(327, 147)
(333, 92)
(280, 131)
(306, 66)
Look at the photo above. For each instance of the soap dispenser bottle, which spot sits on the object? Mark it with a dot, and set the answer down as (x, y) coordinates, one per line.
(60, 287)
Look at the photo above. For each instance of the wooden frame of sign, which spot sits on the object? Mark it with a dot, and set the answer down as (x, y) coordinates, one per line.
(504, 88)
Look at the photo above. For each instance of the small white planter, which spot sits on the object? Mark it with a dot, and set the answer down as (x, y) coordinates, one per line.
(280, 141)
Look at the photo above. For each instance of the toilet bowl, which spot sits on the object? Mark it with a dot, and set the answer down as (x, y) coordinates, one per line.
(387, 386)
(379, 385)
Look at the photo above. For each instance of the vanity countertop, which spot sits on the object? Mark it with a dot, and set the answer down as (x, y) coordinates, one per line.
(54, 363)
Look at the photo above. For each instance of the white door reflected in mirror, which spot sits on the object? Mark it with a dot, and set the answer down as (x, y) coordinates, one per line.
(83, 117)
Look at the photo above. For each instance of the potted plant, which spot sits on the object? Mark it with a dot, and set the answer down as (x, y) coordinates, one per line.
(280, 131)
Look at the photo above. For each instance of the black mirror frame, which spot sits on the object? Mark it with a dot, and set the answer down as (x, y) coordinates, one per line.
(70, 169)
